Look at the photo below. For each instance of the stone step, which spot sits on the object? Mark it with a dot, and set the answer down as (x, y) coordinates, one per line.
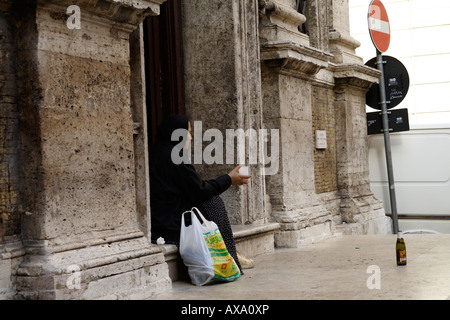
(251, 240)
(255, 239)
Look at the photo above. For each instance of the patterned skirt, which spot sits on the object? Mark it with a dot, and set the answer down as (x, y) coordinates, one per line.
(215, 211)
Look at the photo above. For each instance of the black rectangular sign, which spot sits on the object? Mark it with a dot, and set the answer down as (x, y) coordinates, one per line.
(398, 121)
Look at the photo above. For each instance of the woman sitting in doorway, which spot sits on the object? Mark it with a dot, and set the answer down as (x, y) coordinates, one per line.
(176, 188)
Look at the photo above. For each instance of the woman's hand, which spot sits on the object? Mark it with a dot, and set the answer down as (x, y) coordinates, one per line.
(238, 179)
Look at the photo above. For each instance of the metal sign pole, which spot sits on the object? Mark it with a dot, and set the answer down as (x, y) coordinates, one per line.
(387, 142)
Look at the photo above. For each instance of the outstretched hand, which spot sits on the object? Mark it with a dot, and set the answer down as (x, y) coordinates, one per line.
(238, 179)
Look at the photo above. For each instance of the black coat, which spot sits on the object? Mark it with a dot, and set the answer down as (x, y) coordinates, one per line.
(175, 189)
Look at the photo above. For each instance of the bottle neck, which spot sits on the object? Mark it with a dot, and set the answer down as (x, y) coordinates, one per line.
(400, 235)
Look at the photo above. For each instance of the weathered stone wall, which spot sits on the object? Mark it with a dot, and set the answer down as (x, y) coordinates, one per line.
(223, 88)
(76, 130)
(323, 118)
(78, 154)
(305, 79)
(298, 97)
(298, 94)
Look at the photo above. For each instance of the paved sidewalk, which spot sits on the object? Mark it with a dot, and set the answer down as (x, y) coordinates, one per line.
(339, 268)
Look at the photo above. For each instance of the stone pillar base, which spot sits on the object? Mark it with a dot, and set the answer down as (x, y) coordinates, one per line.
(308, 235)
(305, 226)
(358, 215)
(123, 266)
(364, 215)
(11, 255)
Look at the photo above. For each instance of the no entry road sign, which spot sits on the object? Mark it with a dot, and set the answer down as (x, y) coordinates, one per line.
(379, 28)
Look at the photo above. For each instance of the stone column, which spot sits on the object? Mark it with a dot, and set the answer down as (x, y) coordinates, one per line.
(359, 208)
(141, 142)
(80, 229)
(287, 73)
(341, 43)
(289, 68)
(223, 91)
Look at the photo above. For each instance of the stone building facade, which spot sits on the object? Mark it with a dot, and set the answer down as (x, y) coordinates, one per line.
(76, 122)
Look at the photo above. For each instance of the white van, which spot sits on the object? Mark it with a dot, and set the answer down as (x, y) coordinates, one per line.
(421, 166)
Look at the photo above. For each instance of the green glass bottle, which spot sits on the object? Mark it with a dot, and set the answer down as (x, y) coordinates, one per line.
(400, 248)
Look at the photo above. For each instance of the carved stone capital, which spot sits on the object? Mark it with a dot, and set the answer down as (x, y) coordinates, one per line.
(294, 59)
(130, 12)
(356, 75)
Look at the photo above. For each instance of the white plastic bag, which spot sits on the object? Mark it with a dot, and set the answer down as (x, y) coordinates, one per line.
(204, 252)
(194, 250)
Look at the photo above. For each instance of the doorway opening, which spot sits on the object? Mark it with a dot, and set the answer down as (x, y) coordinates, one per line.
(164, 65)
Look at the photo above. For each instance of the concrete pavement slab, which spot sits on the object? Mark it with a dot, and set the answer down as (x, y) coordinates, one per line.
(343, 268)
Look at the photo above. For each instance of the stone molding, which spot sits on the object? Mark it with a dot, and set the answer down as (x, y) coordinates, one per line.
(284, 15)
(124, 267)
(294, 59)
(280, 22)
(130, 12)
(335, 36)
(356, 75)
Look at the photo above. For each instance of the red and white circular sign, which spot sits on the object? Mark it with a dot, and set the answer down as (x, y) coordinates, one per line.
(379, 28)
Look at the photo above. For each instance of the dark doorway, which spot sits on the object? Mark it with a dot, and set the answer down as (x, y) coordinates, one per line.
(164, 68)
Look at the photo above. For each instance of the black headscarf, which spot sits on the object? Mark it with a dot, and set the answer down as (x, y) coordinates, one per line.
(169, 125)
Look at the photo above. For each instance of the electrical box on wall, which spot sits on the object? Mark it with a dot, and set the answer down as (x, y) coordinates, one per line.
(321, 139)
